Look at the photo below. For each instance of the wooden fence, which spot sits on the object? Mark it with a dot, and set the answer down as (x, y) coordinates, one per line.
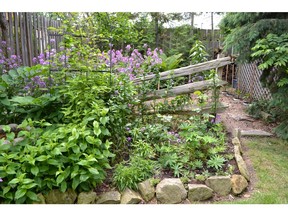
(28, 35)
(248, 81)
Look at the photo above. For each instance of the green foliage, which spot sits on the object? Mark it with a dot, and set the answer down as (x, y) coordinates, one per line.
(128, 175)
(216, 162)
(198, 53)
(272, 52)
(242, 30)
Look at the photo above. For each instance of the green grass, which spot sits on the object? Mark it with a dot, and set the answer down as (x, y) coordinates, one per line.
(269, 157)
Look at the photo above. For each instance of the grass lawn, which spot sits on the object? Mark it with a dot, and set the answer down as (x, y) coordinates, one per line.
(269, 157)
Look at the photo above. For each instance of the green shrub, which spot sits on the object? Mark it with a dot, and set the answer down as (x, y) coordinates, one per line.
(129, 174)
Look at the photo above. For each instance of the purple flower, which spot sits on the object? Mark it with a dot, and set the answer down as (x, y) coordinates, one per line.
(34, 59)
(13, 57)
(145, 45)
(52, 40)
(2, 61)
(110, 45)
(127, 128)
(3, 42)
(129, 139)
(1, 180)
(128, 47)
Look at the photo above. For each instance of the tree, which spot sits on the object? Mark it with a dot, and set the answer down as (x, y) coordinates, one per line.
(242, 30)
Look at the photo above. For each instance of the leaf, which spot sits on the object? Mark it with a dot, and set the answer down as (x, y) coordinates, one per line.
(32, 196)
(63, 186)
(20, 193)
(83, 178)
(10, 136)
(60, 179)
(90, 139)
(6, 190)
(93, 171)
(14, 181)
(104, 120)
(75, 182)
(27, 181)
(41, 158)
(53, 162)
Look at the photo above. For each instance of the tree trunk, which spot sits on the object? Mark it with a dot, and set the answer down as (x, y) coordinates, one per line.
(5, 35)
(212, 34)
(192, 23)
(156, 30)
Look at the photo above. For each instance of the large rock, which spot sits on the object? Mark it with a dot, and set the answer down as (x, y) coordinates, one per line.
(130, 197)
(239, 184)
(170, 191)
(147, 190)
(86, 197)
(58, 197)
(236, 142)
(198, 192)
(220, 184)
(241, 164)
(111, 197)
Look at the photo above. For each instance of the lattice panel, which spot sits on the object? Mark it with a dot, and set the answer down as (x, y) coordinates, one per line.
(248, 81)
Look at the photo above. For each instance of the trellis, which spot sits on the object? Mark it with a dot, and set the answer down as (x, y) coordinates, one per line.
(248, 81)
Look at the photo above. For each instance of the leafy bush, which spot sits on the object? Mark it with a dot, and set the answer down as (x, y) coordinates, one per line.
(129, 174)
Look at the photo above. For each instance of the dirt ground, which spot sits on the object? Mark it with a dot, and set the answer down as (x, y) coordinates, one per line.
(235, 116)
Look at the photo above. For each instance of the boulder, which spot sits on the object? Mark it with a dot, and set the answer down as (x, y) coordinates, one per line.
(58, 197)
(111, 197)
(236, 142)
(130, 197)
(170, 191)
(41, 199)
(86, 197)
(241, 164)
(239, 184)
(220, 184)
(147, 190)
(199, 192)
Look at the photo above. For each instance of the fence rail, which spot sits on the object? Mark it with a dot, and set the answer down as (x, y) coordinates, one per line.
(28, 34)
(248, 81)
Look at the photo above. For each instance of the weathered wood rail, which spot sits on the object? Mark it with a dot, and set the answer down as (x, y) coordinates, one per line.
(182, 89)
(191, 69)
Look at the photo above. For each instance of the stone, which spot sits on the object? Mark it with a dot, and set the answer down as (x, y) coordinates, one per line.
(146, 190)
(255, 133)
(170, 191)
(111, 197)
(87, 197)
(58, 197)
(199, 192)
(242, 166)
(14, 127)
(219, 184)
(17, 140)
(130, 197)
(41, 199)
(239, 184)
(236, 142)
(235, 133)
(6, 142)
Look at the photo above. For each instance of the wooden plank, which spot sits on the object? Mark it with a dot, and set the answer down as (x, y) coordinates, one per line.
(191, 69)
(22, 33)
(182, 89)
(11, 34)
(34, 30)
(29, 40)
(16, 26)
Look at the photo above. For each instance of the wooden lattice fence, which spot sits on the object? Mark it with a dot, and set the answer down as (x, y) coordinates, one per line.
(28, 35)
(248, 81)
